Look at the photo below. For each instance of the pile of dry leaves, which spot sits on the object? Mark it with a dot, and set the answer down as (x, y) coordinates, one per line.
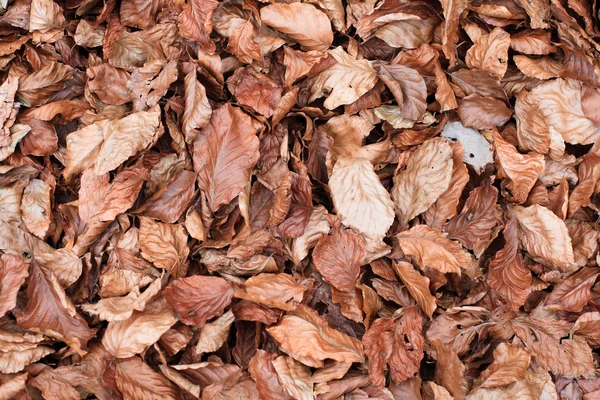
(316, 199)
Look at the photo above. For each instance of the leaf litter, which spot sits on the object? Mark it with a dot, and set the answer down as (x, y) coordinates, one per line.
(316, 199)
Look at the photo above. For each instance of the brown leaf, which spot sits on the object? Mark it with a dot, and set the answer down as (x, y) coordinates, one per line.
(508, 275)
(532, 131)
(51, 312)
(255, 90)
(263, 372)
(510, 365)
(584, 238)
(417, 285)
(432, 249)
(224, 154)
(519, 171)
(571, 357)
(170, 201)
(197, 108)
(561, 105)
(195, 22)
(338, 257)
(134, 335)
(307, 337)
(135, 379)
(295, 378)
(397, 344)
(449, 370)
(490, 53)
(452, 12)
(13, 272)
(589, 174)
(36, 207)
(574, 292)
(214, 334)
(479, 112)
(272, 290)
(196, 299)
(474, 226)
(36, 89)
(346, 80)
(426, 177)
(535, 42)
(407, 86)
(165, 245)
(445, 206)
(303, 22)
(545, 237)
(359, 198)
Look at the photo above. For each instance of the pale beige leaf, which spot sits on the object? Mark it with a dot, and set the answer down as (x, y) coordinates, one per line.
(317, 226)
(490, 53)
(197, 108)
(132, 336)
(214, 334)
(545, 237)
(345, 81)
(45, 16)
(534, 386)
(477, 150)
(36, 207)
(432, 249)
(303, 22)
(165, 245)
(125, 138)
(295, 378)
(307, 337)
(10, 201)
(10, 388)
(121, 308)
(83, 147)
(561, 105)
(65, 265)
(426, 177)
(359, 198)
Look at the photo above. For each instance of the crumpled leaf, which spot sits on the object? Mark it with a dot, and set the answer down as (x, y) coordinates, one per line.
(135, 379)
(397, 345)
(165, 245)
(520, 171)
(36, 207)
(214, 334)
(508, 275)
(490, 53)
(13, 272)
(346, 80)
(510, 365)
(417, 285)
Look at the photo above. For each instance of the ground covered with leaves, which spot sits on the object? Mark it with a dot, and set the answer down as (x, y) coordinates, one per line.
(318, 199)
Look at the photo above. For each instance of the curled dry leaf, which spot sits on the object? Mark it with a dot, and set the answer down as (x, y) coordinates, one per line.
(432, 249)
(284, 175)
(426, 177)
(396, 345)
(508, 275)
(545, 237)
(303, 22)
(308, 338)
(272, 290)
